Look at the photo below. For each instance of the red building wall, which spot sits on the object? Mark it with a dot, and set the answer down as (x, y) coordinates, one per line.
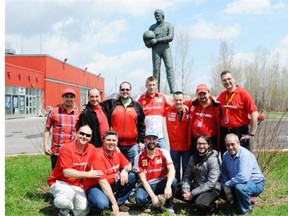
(49, 74)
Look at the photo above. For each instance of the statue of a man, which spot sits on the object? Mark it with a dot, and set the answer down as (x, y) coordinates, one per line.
(159, 42)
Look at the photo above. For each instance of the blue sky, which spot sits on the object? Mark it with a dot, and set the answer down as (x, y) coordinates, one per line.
(106, 35)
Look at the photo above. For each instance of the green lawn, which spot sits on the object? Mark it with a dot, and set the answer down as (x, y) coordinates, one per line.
(26, 191)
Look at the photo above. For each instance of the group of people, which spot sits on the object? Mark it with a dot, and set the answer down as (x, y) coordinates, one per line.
(116, 147)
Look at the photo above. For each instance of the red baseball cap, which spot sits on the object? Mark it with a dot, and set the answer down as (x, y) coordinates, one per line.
(68, 91)
(202, 88)
(261, 117)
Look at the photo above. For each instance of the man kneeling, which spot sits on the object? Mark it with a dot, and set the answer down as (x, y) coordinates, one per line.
(156, 172)
(240, 175)
(114, 187)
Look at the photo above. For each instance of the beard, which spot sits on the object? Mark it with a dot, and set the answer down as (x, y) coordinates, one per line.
(151, 146)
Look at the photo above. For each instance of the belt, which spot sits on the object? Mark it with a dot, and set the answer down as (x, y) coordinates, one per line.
(236, 129)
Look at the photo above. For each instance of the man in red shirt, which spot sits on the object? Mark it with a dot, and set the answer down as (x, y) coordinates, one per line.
(154, 104)
(114, 187)
(63, 119)
(236, 104)
(177, 122)
(95, 117)
(204, 117)
(73, 165)
(157, 174)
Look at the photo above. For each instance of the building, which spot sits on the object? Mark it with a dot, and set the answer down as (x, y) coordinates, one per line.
(33, 83)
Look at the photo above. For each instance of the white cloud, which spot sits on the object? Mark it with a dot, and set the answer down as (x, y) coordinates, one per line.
(248, 6)
(57, 27)
(207, 30)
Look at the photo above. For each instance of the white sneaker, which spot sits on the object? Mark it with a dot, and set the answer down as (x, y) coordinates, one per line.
(171, 211)
(64, 212)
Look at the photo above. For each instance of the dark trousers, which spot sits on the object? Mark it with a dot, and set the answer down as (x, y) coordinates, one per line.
(53, 160)
(238, 131)
(205, 202)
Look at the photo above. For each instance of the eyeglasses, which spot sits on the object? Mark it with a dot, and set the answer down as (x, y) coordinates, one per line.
(198, 143)
(84, 134)
(125, 89)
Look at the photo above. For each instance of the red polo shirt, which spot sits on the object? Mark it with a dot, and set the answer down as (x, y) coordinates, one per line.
(70, 157)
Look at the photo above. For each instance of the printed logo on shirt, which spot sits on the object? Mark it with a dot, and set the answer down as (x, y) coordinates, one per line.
(158, 99)
(158, 160)
(143, 102)
(144, 162)
(171, 116)
(230, 106)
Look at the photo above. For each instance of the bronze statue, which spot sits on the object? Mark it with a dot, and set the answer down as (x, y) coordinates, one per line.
(158, 37)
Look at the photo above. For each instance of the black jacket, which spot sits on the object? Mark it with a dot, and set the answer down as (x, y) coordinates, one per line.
(88, 116)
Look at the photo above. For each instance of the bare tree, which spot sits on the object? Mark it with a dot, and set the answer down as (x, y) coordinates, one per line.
(183, 61)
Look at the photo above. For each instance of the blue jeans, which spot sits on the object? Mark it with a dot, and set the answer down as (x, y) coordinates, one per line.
(130, 152)
(243, 192)
(161, 143)
(142, 197)
(176, 157)
(98, 201)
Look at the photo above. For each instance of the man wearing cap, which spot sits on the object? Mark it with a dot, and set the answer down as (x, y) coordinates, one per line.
(204, 117)
(63, 120)
(236, 105)
(157, 174)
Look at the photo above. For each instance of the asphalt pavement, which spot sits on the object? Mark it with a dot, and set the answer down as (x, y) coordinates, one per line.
(25, 135)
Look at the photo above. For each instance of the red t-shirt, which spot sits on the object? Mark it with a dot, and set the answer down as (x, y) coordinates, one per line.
(111, 165)
(235, 107)
(70, 157)
(203, 120)
(154, 168)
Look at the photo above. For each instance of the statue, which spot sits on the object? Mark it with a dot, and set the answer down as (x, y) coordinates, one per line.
(158, 37)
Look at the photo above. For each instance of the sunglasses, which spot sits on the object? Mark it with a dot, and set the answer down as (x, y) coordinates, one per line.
(84, 134)
(125, 89)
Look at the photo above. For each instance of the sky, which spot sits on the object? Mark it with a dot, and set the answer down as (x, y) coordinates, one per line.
(106, 35)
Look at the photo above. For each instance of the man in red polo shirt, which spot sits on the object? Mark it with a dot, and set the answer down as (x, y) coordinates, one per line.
(204, 117)
(236, 104)
(157, 174)
(114, 187)
(177, 121)
(73, 165)
(63, 120)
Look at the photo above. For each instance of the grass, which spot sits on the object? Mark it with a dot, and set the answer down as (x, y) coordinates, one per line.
(25, 186)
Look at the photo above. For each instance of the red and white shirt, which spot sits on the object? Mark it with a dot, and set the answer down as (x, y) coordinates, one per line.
(155, 168)
(153, 108)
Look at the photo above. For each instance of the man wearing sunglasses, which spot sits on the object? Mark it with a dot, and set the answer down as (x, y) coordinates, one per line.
(73, 166)
(126, 117)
